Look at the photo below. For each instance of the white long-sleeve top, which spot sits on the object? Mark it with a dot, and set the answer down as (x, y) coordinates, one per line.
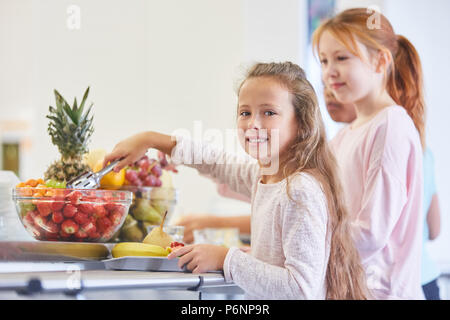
(289, 242)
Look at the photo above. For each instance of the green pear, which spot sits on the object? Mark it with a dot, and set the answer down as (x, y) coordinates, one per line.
(143, 211)
(130, 230)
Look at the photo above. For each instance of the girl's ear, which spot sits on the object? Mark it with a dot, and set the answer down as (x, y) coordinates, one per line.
(383, 60)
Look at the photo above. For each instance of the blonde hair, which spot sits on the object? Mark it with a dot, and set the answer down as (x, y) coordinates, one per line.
(404, 78)
(345, 276)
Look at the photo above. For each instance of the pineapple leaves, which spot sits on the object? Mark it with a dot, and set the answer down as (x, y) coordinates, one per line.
(69, 128)
(74, 112)
(86, 93)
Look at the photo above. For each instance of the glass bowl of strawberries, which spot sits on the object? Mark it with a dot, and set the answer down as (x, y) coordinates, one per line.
(74, 215)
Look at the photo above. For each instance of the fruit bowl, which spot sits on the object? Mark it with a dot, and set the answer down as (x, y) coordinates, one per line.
(147, 209)
(72, 215)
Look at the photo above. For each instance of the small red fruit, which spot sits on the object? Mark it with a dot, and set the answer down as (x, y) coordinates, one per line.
(74, 197)
(69, 210)
(89, 227)
(142, 174)
(40, 221)
(44, 208)
(94, 235)
(57, 205)
(51, 236)
(108, 233)
(110, 206)
(86, 207)
(51, 227)
(100, 211)
(116, 217)
(103, 224)
(64, 235)
(176, 244)
(81, 234)
(81, 218)
(57, 217)
(29, 217)
(69, 226)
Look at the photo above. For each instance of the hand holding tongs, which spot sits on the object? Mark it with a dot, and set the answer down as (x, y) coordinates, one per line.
(91, 180)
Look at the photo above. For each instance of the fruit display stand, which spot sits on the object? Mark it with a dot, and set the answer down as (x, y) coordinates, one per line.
(77, 277)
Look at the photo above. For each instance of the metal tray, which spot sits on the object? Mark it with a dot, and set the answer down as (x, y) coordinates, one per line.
(146, 264)
(143, 264)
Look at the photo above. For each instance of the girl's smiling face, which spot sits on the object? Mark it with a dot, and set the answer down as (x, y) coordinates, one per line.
(349, 77)
(266, 119)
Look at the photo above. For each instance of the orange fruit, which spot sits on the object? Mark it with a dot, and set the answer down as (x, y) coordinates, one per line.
(112, 180)
(32, 183)
(38, 193)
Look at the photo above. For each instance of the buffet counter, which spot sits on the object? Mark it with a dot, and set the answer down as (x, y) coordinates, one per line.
(89, 279)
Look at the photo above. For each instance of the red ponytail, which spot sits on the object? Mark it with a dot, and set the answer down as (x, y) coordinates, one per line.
(405, 84)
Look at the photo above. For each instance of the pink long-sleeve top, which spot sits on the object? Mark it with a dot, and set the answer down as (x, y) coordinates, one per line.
(381, 172)
(290, 245)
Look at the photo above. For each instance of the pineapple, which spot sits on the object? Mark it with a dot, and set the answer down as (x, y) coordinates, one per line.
(70, 129)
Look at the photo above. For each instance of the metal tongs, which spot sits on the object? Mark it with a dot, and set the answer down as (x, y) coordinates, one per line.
(91, 180)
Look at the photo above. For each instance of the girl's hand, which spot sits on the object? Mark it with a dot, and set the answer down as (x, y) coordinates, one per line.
(131, 149)
(200, 258)
(135, 147)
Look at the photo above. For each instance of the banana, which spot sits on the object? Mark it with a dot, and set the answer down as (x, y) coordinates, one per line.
(125, 249)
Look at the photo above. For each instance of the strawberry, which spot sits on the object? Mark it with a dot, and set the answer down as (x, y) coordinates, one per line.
(176, 244)
(36, 233)
(74, 197)
(121, 209)
(86, 208)
(89, 227)
(116, 217)
(44, 208)
(81, 234)
(108, 233)
(99, 211)
(81, 218)
(29, 218)
(51, 227)
(40, 221)
(69, 226)
(103, 224)
(69, 210)
(110, 206)
(94, 235)
(64, 235)
(93, 220)
(57, 217)
(57, 205)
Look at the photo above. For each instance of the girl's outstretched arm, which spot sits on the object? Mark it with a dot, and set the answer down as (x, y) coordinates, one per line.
(233, 170)
(134, 147)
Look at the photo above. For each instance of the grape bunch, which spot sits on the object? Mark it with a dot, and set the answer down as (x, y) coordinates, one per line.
(145, 172)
